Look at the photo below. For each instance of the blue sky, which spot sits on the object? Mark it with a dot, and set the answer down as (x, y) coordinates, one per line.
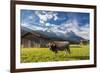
(75, 21)
(53, 17)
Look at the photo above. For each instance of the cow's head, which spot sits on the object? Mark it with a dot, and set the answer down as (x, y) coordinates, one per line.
(51, 45)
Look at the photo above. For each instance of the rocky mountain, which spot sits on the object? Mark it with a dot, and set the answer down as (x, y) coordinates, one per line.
(54, 32)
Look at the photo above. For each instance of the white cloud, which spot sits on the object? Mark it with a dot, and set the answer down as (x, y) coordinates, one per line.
(45, 16)
(30, 17)
(41, 21)
(51, 25)
(33, 27)
(49, 15)
(72, 25)
(23, 24)
(84, 34)
(64, 28)
(85, 31)
(55, 18)
(42, 17)
(48, 24)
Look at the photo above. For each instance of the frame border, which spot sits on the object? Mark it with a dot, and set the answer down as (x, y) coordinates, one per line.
(13, 32)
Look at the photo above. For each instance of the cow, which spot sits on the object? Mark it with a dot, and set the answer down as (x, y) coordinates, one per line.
(59, 46)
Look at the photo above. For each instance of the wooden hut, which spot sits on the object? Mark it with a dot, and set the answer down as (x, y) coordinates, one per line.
(30, 40)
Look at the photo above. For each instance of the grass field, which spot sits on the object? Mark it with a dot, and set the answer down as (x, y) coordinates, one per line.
(45, 55)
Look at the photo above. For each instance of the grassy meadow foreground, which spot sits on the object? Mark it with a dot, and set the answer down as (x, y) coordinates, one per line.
(45, 55)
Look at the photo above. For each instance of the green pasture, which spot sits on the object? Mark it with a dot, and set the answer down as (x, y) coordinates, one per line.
(45, 55)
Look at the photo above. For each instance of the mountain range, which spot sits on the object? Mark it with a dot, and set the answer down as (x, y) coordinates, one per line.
(53, 32)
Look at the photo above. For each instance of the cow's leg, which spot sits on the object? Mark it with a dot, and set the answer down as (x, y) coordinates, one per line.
(65, 51)
(55, 53)
(68, 49)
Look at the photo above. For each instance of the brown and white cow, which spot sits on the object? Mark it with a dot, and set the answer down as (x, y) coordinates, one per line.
(56, 46)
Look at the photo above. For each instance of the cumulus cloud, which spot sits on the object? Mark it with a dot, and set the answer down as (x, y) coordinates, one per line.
(73, 25)
(48, 24)
(85, 31)
(55, 17)
(42, 21)
(30, 19)
(68, 25)
(46, 15)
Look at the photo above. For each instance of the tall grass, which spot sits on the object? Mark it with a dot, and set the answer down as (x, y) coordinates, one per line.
(45, 55)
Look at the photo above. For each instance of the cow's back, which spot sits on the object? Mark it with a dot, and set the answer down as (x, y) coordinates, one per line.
(61, 43)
